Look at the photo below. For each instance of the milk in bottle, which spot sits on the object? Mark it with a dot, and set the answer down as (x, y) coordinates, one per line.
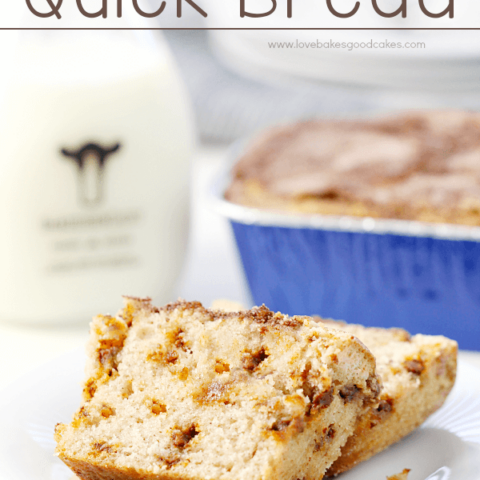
(95, 140)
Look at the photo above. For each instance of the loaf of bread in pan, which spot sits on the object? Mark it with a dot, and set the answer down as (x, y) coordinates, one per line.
(417, 373)
(416, 165)
(183, 392)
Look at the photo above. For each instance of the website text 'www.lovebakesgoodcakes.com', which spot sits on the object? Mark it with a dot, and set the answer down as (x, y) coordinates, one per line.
(341, 45)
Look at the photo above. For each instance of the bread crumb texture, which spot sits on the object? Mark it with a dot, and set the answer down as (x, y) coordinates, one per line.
(417, 373)
(183, 392)
(400, 476)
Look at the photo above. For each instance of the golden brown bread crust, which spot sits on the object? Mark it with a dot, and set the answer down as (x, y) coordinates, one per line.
(86, 471)
(404, 407)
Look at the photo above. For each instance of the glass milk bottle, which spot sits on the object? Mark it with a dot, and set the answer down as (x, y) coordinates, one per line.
(95, 136)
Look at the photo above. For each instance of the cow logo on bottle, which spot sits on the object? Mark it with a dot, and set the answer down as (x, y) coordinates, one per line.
(91, 160)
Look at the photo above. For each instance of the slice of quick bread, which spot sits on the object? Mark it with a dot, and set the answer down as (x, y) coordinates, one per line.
(417, 373)
(183, 392)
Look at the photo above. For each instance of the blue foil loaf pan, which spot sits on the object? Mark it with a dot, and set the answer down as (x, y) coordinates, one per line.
(422, 277)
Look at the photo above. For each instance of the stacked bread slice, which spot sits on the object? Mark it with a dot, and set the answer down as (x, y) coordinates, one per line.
(417, 373)
(183, 392)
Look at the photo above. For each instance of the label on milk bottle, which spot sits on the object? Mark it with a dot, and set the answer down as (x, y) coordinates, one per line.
(92, 236)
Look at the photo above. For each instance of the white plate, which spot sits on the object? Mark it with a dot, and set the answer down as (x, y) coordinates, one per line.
(446, 447)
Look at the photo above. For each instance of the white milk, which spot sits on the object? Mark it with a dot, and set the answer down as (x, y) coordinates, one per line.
(95, 140)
